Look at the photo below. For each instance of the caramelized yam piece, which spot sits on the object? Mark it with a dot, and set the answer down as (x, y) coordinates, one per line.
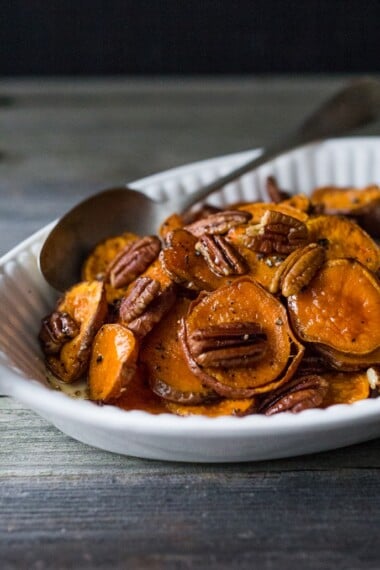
(242, 302)
(300, 202)
(157, 272)
(96, 264)
(262, 268)
(347, 201)
(348, 362)
(258, 209)
(113, 362)
(173, 222)
(86, 304)
(339, 308)
(345, 388)
(162, 358)
(139, 396)
(185, 265)
(225, 407)
(342, 237)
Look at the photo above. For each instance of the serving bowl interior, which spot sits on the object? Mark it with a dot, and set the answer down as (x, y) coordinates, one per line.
(26, 298)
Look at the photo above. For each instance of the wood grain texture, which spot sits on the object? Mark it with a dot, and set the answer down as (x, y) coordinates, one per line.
(66, 505)
(95, 509)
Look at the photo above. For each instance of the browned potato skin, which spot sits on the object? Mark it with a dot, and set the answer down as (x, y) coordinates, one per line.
(86, 303)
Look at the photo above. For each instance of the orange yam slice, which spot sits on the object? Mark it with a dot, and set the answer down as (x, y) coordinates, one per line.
(86, 304)
(339, 308)
(245, 301)
(225, 407)
(345, 388)
(162, 359)
(113, 362)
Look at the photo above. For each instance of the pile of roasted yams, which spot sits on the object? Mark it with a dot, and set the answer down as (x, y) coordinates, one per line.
(259, 308)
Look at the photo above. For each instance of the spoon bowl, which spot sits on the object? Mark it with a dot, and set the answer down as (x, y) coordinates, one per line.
(116, 210)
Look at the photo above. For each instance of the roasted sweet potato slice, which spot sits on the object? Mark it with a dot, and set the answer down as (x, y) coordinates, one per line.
(139, 396)
(241, 366)
(185, 265)
(342, 237)
(162, 358)
(97, 263)
(113, 362)
(300, 202)
(157, 271)
(345, 388)
(86, 304)
(348, 201)
(258, 209)
(361, 204)
(339, 308)
(348, 362)
(261, 267)
(172, 222)
(225, 407)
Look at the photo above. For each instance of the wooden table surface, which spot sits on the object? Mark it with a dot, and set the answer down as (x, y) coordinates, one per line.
(66, 505)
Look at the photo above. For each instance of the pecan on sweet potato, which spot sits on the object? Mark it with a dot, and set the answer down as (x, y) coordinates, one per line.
(86, 304)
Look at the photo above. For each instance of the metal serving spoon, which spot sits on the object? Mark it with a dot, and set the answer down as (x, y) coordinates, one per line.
(117, 210)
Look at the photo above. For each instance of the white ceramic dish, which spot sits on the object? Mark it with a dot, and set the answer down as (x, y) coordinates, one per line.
(25, 298)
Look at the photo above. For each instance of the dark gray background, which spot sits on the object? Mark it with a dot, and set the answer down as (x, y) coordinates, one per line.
(151, 37)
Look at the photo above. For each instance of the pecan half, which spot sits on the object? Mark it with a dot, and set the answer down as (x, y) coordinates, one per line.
(277, 233)
(218, 223)
(57, 329)
(298, 269)
(221, 256)
(312, 364)
(133, 260)
(140, 296)
(145, 305)
(296, 396)
(228, 345)
(274, 192)
(195, 214)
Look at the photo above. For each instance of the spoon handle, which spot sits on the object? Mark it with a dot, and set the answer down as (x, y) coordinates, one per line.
(352, 107)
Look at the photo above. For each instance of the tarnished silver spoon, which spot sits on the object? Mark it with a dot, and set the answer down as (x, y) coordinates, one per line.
(123, 209)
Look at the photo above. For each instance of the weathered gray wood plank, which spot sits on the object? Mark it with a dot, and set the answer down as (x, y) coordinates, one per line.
(224, 519)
